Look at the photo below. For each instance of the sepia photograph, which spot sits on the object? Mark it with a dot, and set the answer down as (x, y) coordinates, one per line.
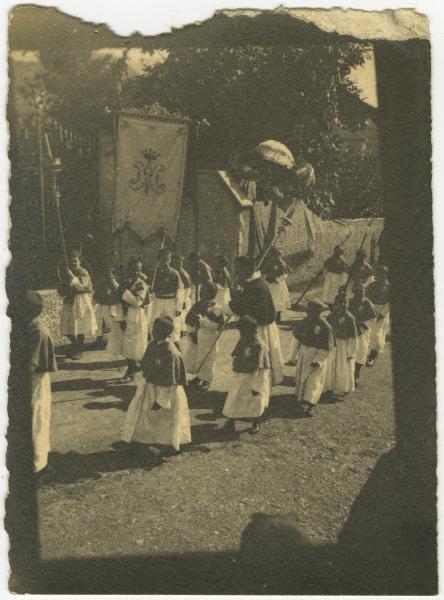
(222, 347)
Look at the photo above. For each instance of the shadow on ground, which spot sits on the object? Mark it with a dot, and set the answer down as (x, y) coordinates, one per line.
(379, 551)
(71, 467)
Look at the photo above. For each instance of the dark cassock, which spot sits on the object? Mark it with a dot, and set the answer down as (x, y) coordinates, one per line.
(255, 300)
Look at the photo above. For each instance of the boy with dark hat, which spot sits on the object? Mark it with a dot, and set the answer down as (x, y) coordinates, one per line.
(314, 342)
(249, 392)
(158, 413)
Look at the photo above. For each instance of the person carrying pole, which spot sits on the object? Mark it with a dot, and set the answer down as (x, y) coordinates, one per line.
(167, 292)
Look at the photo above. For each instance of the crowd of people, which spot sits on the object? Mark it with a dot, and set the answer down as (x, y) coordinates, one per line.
(167, 328)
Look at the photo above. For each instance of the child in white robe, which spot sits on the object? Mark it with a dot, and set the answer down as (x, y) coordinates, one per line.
(223, 281)
(336, 275)
(315, 341)
(255, 300)
(106, 301)
(200, 272)
(340, 378)
(78, 318)
(249, 392)
(133, 294)
(42, 364)
(204, 321)
(177, 263)
(158, 413)
(276, 274)
(378, 292)
(360, 272)
(364, 312)
(167, 298)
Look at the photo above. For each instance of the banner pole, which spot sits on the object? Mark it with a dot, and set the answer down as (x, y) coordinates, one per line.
(162, 246)
(196, 203)
(113, 216)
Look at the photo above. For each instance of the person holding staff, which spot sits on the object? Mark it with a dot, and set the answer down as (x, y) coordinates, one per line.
(336, 275)
(167, 292)
(133, 294)
(364, 312)
(276, 275)
(249, 393)
(204, 320)
(106, 302)
(177, 262)
(78, 318)
(222, 279)
(340, 378)
(256, 301)
(200, 272)
(360, 271)
(378, 292)
(314, 343)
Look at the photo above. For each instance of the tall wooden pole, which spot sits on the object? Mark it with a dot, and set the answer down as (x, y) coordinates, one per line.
(196, 203)
(42, 182)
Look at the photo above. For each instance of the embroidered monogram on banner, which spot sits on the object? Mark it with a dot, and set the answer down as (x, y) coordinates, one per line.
(151, 156)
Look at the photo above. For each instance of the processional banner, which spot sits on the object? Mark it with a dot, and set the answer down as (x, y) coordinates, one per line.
(151, 157)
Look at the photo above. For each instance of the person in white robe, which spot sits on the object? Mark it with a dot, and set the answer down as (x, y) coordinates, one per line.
(254, 299)
(133, 294)
(167, 300)
(336, 275)
(249, 391)
(276, 274)
(204, 321)
(177, 263)
(78, 317)
(43, 363)
(360, 272)
(378, 292)
(200, 272)
(106, 301)
(223, 281)
(340, 378)
(315, 342)
(158, 413)
(364, 312)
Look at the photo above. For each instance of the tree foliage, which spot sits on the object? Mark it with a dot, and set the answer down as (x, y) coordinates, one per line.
(358, 191)
(244, 95)
(239, 96)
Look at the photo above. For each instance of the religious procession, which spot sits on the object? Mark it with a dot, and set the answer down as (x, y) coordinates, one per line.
(199, 290)
(167, 328)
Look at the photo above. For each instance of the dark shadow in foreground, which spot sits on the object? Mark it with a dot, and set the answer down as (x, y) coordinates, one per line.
(380, 551)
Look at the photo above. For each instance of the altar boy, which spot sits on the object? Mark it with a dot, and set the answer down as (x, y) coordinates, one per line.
(249, 391)
(314, 342)
(78, 318)
(158, 413)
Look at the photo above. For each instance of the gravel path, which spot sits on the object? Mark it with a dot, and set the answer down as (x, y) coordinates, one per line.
(110, 501)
